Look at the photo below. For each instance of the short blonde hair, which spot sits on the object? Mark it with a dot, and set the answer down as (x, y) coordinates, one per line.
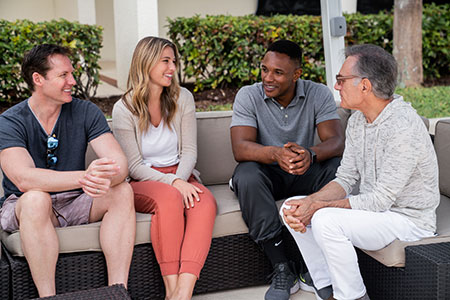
(146, 55)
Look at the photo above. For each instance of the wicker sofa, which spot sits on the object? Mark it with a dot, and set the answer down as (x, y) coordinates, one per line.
(234, 260)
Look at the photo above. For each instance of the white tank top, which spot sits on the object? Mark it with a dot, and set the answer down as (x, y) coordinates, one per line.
(160, 146)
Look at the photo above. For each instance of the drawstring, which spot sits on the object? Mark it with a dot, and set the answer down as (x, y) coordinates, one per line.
(58, 215)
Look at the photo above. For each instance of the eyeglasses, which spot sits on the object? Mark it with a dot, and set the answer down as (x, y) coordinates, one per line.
(52, 144)
(340, 79)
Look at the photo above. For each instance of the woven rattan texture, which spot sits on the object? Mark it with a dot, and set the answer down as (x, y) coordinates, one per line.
(115, 292)
(233, 262)
(145, 280)
(428, 271)
(426, 274)
(382, 282)
(74, 272)
(4, 277)
(87, 270)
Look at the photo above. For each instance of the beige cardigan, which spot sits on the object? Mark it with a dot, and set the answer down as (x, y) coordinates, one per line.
(126, 130)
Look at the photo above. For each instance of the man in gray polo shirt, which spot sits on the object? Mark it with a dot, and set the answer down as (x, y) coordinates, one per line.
(272, 134)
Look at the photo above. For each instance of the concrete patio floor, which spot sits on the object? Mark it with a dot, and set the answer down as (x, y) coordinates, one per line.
(252, 293)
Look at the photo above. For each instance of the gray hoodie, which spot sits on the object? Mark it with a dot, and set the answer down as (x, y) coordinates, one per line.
(395, 162)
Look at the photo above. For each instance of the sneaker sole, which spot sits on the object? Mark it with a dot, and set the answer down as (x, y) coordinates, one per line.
(295, 288)
(307, 288)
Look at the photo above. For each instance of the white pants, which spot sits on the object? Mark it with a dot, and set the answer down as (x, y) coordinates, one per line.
(327, 244)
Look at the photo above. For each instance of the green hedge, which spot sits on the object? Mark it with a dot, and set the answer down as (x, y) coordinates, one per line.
(20, 36)
(226, 50)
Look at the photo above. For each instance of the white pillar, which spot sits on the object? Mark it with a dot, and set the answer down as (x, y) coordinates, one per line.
(333, 46)
(86, 12)
(133, 20)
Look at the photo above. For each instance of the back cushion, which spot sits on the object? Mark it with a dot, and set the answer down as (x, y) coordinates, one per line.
(344, 114)
(215, 159)
(442, 146)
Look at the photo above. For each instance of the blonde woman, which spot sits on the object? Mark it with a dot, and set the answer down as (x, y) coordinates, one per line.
(155, 124)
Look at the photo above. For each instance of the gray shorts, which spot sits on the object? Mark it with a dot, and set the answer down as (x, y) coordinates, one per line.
(70, 208)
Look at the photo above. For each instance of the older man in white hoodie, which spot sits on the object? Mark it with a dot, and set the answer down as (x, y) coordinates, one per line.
(389, 151)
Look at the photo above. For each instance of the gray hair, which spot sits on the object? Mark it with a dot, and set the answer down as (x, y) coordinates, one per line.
(377, 65)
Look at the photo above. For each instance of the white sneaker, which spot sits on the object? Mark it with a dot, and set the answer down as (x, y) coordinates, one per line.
(306, 284)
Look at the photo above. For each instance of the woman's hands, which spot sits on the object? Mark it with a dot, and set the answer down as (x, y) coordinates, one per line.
(188, 191)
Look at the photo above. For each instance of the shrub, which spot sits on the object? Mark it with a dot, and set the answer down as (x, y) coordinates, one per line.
(436, 40)
(20, 36)
(226, 50)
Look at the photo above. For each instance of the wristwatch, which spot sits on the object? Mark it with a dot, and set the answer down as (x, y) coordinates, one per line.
(313, 155)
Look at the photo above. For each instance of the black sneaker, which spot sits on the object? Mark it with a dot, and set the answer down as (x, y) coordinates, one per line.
(307, 284)
(284, 283)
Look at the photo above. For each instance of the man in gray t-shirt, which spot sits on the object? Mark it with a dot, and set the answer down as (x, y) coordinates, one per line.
(272, 134)
(43, 142)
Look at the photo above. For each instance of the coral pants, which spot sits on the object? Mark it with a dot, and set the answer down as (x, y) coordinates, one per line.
(180, 237)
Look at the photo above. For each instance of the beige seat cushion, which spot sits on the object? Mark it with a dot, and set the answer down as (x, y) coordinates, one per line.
(86, 237)
(79, 238)
(228, 222)
(393, 255)
(229, 217)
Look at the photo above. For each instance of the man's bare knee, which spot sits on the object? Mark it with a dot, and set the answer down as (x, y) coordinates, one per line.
(34, 206)
(120, 198)
(122, 195)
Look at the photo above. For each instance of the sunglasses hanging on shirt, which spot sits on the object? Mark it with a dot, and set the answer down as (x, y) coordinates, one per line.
(52, 144)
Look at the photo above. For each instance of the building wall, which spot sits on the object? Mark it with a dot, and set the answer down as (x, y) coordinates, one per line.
(180, 8)
(38, 10)
(105, 17)
(46, 10)
(66, 9)
(32, 10)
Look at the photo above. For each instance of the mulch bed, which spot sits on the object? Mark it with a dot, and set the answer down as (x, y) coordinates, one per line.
(202, 99)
